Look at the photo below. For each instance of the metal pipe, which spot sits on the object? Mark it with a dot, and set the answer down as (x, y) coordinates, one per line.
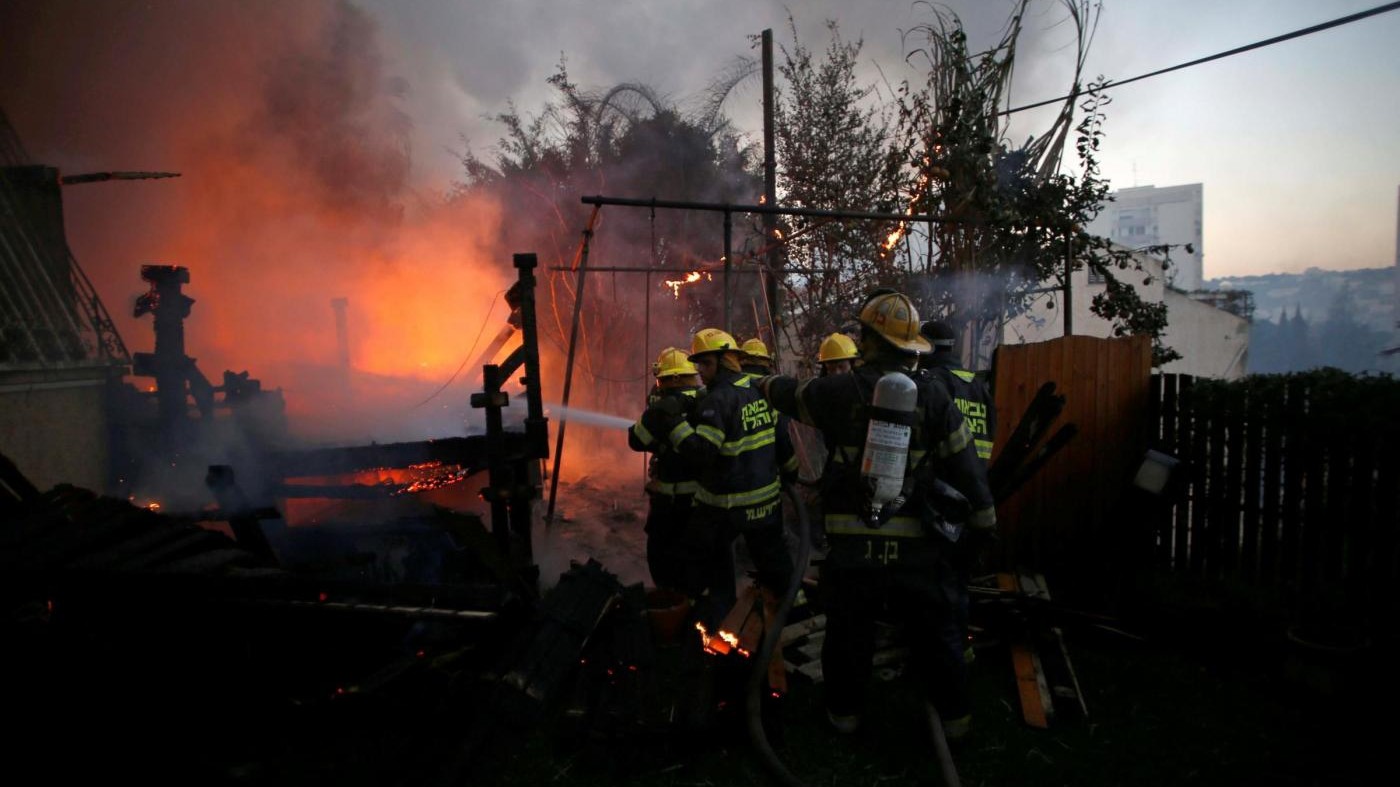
(770, 193)
(717, 207)
(569, 365)
(634, 269)
(728, 266)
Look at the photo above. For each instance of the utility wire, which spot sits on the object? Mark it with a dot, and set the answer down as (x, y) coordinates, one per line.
(1237, 50)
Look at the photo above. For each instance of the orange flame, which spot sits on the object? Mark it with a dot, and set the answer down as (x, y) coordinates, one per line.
(690, 278)
(720, 643)
(898, 234)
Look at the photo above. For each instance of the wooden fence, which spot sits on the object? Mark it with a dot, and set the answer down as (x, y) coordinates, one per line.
(1067, 518)
(1292, 488)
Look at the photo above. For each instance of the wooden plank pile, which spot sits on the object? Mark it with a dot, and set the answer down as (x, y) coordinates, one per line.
(1039, 658)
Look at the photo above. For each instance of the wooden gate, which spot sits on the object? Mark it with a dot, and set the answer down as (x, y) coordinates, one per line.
(1066, 518)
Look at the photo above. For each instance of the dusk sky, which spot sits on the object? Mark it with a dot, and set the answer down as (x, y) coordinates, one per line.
(1297, 145)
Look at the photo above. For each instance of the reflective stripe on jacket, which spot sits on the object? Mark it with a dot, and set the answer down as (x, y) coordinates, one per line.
(668, 472)
(734, 444)
(973, 398)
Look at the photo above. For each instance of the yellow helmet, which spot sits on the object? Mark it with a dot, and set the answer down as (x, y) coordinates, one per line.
(757, 349)
(893, 316)
(672, 363)
(711, 340)
(837, 347)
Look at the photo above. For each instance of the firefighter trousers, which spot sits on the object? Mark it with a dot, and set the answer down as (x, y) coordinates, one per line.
(667, 518)
(925, 598)
(709, 567)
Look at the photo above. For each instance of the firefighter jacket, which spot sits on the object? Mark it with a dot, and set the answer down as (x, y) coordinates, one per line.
(973, 398)
(733, 441)
(668, 473)
(940, 449)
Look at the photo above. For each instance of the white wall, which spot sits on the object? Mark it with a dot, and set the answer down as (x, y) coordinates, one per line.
(1213, 343)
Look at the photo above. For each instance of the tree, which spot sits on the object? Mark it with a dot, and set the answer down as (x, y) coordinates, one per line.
(834, 150)
(1344, 342)
(630, 141)
(1014, 219)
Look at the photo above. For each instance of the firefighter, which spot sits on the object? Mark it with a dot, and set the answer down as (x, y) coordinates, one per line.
(837, 354)
(670, 482)
(755, 359)
(738, 453)
(897, 558)
(970, 393)
(974, 399)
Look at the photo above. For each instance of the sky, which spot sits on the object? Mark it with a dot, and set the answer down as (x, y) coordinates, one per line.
(1296, 144)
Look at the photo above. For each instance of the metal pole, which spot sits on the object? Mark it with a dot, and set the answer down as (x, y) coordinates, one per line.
(1069, 292)
(723, 207)
(728, 265)
(646, 359)
(569, 368)
(770, 196)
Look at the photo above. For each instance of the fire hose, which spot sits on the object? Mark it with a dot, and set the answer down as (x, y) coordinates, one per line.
(773, 635)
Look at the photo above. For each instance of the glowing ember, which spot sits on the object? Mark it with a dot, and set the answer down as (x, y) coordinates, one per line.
(152, 505)
(690, 278)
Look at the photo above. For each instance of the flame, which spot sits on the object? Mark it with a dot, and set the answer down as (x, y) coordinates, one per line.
(720, 643)
(690, 278)
(899, 232)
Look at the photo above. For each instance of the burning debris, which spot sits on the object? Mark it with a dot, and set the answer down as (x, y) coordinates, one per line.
(689, 278)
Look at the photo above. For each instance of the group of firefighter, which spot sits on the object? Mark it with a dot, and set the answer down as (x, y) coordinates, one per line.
(903, 494)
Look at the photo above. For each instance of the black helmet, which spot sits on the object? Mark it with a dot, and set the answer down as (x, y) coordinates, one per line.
(940, 334)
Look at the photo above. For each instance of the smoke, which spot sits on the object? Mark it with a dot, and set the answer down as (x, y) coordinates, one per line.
(293, 137)
(311, 138)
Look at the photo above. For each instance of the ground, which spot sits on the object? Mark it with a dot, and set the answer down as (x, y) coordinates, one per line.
(1194, 702)
(1158, 715)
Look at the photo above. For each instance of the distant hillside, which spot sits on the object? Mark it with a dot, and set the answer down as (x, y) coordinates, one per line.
(1371, 294)
(1348, 318)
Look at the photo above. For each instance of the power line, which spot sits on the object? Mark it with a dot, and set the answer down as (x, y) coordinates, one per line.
(1237, 50)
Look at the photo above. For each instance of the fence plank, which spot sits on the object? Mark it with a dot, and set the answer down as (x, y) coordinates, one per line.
(1386, 532)
(1251, 485)
(1186, 430)
(1273, 414)
(1228, 534)
(1291, 504)
(1337, 470)
(1314, 519)
(1166, 405)
(1202, 458)
(1360, 514)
